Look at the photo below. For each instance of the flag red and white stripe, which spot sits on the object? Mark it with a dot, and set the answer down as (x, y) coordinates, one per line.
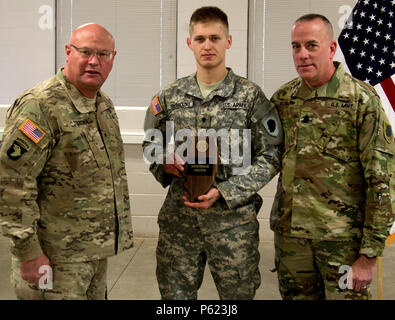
(32, 131)
(366, 45)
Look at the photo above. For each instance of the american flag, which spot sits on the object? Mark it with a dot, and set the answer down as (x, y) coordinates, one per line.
(155, 106)
(367, 42)
(32, 131)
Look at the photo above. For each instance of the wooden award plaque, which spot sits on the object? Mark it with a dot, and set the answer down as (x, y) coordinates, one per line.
(200, 171)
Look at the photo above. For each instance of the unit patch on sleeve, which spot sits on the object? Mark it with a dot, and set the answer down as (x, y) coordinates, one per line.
(155, 106)
(388, 133)
(271, 126)
(16, 150)
(32, 131)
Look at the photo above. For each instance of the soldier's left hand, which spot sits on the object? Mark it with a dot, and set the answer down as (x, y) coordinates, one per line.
(205, 201)
(30, 269)
(362, 272)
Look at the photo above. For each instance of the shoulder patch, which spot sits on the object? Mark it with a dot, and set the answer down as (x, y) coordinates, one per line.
(32, 131)
(388, 135)
(155, 106)
(16, 150)
(272, 126)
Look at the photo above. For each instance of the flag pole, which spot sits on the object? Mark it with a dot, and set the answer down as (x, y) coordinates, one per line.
(379, 278)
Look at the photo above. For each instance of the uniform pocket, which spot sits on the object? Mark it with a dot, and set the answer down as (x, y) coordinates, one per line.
(96, 147)
(83, 151)
(339, 138)
(235, 118)
(341, 152)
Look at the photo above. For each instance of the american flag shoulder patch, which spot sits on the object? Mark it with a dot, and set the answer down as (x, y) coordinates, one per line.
(155, 106)
(32, 131)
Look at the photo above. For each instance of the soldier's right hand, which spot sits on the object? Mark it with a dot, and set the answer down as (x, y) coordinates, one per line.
(174, 165)
(30, 269)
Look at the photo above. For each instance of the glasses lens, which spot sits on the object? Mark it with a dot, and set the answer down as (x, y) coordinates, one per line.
(88, 53)
(104, 55)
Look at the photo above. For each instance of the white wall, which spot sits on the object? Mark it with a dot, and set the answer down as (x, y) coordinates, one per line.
(27, 44)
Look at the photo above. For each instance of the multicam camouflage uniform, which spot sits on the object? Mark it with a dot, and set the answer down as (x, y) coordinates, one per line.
(333, 198)
(227, 233)
(63, 189)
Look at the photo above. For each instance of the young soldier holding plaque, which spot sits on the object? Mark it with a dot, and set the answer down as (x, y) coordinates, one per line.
(212, 114)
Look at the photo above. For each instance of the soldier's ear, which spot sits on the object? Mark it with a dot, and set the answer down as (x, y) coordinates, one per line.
(229, 41)
(189, 43)
(333, 47)
(67, 50)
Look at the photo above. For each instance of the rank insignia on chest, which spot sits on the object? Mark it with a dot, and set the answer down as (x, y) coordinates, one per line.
(155, 106)
(32, 131)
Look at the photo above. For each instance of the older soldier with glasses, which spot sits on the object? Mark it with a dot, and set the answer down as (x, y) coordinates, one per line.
(64, 199)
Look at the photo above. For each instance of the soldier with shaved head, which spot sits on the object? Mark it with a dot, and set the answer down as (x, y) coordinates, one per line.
(64, 199)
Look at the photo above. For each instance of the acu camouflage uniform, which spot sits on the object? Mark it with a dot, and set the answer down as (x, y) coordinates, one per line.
(333, 199)
(67, 195)
(227, 233)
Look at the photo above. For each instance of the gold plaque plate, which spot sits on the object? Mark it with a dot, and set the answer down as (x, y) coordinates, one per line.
(200, 170)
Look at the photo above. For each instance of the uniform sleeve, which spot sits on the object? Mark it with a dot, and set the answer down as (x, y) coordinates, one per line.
(154, 142)
(377, 149)
(23, 154)
(265, 151)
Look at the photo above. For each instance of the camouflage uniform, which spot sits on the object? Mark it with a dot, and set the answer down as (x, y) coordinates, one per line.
(71, 281)
(335, 180)
(65, 195)
(227, 233)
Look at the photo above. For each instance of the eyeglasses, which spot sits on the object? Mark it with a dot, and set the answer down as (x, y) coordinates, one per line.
(102, 55)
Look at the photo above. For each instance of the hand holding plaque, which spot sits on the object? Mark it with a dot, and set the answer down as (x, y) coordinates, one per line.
(201, 168)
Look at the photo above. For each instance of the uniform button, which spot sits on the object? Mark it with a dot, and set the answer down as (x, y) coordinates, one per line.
(204, 119)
